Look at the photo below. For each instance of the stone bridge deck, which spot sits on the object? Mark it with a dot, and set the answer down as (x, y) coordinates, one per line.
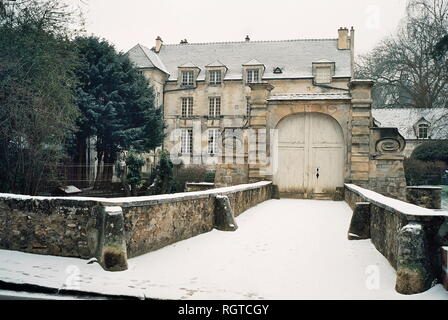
(283, 249)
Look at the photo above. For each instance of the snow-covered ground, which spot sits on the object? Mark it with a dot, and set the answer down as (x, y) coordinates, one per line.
(283, 249)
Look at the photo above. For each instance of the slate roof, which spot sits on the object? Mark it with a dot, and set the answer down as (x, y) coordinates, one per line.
(405, 118)
(143, 57)
(253, 62)
(188, 65)
(217, 63)
(295, 57)
(311, 96)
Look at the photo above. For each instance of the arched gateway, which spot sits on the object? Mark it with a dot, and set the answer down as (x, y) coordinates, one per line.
(311, 156)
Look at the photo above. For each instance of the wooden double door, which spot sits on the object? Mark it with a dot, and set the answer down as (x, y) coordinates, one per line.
(311, 155)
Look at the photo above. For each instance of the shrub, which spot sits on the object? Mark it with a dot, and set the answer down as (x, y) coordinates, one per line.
(134, 163)
(193, 173)
(431, 151)
(419, 172)
(210, 176)
(162, 177)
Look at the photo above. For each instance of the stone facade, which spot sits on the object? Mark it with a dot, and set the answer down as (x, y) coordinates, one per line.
(293, 77)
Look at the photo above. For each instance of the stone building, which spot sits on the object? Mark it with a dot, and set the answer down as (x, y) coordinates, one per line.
(416, 125)
(288, 111)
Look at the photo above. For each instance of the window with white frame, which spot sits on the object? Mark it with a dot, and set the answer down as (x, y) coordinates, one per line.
(214, 107)
(213, 136)
(187, 107)
(253, 76)
(423, 131)
(248, 106)
(323, 75)
(186, 141)
(215, 77)
(187, 78)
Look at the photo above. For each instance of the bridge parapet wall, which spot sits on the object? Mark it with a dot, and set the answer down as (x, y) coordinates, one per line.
(115, 229)
(409, 236)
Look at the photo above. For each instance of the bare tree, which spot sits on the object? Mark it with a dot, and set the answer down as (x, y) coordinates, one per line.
(403, 65)
(37, 113)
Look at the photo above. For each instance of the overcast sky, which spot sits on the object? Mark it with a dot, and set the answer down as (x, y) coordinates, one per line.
(126, 23)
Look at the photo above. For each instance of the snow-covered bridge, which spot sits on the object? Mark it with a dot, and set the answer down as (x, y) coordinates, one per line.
(283, 249)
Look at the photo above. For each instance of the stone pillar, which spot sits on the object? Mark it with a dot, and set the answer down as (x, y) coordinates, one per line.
(361, 121)
(360, 223)
(258, 123)
(413, 269)
(444, 260)
(386, 162)
(224, 218)
(426, 197)
(275, 192)
(111, 247)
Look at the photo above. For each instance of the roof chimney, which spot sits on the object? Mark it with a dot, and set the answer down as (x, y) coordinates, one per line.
(352, 49)
(159, 43)
(247, 38)
(343, 43)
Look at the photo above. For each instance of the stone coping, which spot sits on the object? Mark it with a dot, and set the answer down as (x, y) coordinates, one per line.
(200, 183)
(424, 187)
(410, 210)
(146, 200)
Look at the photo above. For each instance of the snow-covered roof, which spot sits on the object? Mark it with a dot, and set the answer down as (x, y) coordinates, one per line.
(143, 57)
(253, 62)
(310, 96)
(217, 63)
(406, 118)
(188, 65)
(295, 57)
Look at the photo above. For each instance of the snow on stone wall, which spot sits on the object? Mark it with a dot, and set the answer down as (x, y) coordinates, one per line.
(389, 219)
(70, 226)
(151, 227)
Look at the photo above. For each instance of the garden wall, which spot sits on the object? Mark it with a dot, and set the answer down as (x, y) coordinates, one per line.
(410, 237)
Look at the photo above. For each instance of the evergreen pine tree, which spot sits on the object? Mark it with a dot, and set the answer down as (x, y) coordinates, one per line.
(117, 104)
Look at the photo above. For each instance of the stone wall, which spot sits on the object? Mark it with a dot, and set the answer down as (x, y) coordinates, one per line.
(409, 236)
(113, 229)
(51, 226)
(427, 197)
(198, 186)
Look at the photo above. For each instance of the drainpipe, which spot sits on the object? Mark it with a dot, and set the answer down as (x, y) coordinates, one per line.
(330, 87)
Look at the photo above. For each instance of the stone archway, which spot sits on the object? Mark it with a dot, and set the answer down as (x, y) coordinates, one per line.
(311, 154)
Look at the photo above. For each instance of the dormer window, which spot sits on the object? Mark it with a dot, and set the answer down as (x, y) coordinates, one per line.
(188, 78)
(323, 75)
(215, 77)
(187, 75)
(253, 76)
(253, 71)
(423, 131)
(215, 74)
(323, 71)
(278, 70)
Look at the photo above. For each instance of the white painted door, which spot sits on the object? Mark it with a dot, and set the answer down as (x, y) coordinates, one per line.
(311, 154)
